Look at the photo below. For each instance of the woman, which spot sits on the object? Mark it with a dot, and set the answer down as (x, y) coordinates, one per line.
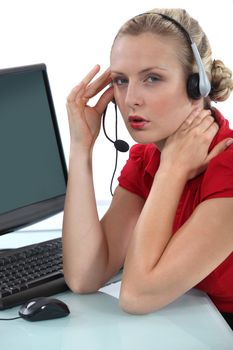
(170, 223)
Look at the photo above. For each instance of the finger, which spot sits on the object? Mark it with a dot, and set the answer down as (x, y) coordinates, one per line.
(80, 94)
(79, 89)
(212, 130)
(220, 147)
(105, 83)
(91, 74)
(188, 121)
(100, 83)
(201, 118)
(210, 134)
(195, 118)
(106, 97)
(205, 123)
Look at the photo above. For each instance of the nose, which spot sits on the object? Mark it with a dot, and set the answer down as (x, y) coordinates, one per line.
(133, 96)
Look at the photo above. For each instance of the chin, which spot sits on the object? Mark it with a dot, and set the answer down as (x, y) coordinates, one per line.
(146, 139)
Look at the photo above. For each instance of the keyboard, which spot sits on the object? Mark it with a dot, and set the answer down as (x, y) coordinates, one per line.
(32, 271)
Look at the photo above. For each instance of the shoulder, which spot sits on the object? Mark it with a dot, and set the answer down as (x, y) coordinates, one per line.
(143, 160)
(223, 159)
(143, 155)
(142, 151)
(218, 177)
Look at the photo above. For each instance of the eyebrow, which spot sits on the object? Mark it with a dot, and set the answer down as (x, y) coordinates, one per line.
(143, 71)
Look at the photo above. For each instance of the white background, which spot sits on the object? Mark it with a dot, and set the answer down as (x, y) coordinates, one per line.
(71, 36)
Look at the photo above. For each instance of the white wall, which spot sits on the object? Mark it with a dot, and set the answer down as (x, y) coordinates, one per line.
(71, 36)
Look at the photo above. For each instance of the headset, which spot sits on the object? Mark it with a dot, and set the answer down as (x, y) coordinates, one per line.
(119, 145)
(198, 85)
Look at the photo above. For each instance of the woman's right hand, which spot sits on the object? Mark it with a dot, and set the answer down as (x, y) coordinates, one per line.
(84, 120)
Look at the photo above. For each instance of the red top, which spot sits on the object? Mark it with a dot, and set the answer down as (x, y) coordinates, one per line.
(215, 182)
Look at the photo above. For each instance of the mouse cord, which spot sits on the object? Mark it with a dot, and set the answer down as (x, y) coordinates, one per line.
(9, 319)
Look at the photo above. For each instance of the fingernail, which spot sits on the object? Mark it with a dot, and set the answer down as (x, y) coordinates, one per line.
(229, 142)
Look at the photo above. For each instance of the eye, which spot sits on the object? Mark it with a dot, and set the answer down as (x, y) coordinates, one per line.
(152, 78)
(119, 81)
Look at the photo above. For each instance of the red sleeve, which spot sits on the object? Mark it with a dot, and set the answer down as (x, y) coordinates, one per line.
(131, 177)
(218, 179)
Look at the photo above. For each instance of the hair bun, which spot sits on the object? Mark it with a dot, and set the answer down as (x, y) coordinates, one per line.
(221, 81)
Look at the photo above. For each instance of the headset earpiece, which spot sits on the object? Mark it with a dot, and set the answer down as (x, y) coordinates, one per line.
(198, 84)
(193, 86)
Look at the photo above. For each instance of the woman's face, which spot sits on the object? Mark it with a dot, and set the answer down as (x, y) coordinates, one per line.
(149, 86)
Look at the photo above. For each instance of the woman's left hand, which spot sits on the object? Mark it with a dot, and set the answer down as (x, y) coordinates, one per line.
(187, 150)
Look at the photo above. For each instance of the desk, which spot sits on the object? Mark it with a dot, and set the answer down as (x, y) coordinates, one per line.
(97, 323)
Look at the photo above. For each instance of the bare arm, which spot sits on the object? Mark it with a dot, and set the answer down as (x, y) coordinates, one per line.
(82, 234)
(159, 268)
(92, 250)
(84, 246)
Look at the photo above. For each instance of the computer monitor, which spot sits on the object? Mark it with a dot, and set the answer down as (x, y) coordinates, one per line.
(33, 173)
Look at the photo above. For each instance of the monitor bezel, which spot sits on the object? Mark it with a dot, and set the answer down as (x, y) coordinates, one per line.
(35, 212)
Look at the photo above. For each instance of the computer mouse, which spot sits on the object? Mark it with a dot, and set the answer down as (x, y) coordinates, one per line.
(43, 308)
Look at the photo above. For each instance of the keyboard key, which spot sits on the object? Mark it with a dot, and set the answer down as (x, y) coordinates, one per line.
(34, 270)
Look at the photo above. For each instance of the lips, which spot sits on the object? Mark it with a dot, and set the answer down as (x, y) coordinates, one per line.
(137, 122)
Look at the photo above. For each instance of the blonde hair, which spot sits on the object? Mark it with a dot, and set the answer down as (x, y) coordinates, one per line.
(219, 75)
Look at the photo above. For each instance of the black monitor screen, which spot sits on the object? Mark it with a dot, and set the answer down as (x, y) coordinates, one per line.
(32, 166)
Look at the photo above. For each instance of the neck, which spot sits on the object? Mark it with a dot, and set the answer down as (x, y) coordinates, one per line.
(160, 144)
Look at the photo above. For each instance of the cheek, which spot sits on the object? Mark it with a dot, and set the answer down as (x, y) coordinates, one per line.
(172, 100)
(120, 101)
(173, 116)
(170, 111)
(171, 95)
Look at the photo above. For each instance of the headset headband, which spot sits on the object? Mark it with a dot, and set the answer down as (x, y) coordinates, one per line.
(204, 83)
